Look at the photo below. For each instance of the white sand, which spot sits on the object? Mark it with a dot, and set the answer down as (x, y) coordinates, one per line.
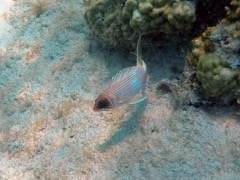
(51, 70)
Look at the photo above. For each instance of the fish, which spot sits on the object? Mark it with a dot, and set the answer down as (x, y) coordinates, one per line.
(125, 85)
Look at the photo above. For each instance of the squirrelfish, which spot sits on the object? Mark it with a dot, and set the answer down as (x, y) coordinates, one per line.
(124, 86)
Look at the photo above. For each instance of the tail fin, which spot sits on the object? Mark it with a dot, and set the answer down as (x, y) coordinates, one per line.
(139, 54)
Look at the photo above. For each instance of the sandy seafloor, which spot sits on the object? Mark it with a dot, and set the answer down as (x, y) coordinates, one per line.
(52, 69)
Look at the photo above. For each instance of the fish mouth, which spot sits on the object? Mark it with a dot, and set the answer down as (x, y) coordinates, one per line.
(95, 108)
(99, 110)
(102, 104)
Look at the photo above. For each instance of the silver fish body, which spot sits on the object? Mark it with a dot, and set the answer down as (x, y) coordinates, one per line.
(125, 85)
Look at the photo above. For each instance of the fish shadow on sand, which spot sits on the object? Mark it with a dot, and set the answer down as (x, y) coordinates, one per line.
(128, 128)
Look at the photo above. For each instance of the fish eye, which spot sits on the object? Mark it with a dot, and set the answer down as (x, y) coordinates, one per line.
(103, 104)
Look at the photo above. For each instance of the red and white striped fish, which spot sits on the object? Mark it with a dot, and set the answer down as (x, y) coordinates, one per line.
(125, 85)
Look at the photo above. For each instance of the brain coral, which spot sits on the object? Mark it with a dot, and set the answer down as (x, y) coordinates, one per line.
(119, 21)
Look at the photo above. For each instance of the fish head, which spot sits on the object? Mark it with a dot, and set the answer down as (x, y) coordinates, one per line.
(102, 103)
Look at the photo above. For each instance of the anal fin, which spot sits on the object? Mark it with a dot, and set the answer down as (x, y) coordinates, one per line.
(137, 99)
(140, 100)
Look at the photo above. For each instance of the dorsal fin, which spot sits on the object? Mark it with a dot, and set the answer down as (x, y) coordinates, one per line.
(139, 54)
(121, 74)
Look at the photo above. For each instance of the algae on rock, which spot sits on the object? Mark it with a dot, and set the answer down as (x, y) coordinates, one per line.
(215, 57)
(216, 76)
